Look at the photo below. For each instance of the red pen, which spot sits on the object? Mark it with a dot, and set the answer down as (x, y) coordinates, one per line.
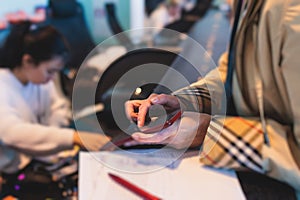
(133, 188)
(158, 127)
(172, 119)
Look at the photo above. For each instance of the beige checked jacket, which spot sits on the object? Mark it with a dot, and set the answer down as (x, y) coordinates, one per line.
(268, 51)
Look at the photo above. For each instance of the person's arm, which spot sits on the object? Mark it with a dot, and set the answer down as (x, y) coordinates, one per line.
(38, 140)
(290, 61)
(32, 138)
(18, 130)
(208, 94)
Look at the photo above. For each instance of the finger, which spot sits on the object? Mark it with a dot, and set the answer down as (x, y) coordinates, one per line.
(154, 138)
(131, 143)
(167, 100)
(161, 137)
(134, 143)
(138, 136)
(130, 107)
(158, 99)
(143, 109)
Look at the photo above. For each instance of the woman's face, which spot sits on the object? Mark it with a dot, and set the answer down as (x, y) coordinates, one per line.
(44, 71)
(174, 10)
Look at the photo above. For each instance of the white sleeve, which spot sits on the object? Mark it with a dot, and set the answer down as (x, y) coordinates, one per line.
(18, 131)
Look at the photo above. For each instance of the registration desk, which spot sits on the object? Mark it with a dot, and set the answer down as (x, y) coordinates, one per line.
(166, 175)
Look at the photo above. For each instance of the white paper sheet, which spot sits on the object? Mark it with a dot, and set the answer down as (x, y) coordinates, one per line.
(186, 179)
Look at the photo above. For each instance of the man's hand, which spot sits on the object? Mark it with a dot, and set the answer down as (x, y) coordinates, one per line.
(136, 110)
(190, 131)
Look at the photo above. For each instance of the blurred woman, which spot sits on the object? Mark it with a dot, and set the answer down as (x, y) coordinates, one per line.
(32, 114)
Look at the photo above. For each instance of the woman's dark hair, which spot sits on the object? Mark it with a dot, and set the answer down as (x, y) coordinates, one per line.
(41, 44)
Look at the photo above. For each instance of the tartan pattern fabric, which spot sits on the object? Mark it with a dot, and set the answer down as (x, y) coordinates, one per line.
(233, 142)
(195, 99)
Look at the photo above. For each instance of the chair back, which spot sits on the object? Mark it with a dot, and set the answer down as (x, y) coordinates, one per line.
(113, 74)
(67, 16)
(115, 26)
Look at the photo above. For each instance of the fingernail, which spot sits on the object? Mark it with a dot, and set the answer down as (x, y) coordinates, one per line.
(154, 100)
(139, 124)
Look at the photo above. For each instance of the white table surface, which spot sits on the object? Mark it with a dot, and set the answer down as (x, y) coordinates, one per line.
(185, 178)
